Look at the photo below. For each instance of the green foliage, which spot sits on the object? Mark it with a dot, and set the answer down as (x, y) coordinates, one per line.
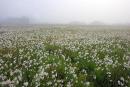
(77, 62)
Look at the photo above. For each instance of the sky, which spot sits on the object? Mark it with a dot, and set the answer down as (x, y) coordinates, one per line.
(65, 11)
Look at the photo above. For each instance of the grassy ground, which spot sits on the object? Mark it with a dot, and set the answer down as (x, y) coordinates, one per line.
(65, 57)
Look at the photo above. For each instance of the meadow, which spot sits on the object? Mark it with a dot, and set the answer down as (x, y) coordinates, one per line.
(64, 56)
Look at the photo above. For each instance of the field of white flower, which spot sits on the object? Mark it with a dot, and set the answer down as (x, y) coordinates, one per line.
(64, 56)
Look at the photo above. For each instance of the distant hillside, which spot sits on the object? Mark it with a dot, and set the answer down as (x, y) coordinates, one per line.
(21, 20)
(82, 23)
(97, 23)
(77, 23)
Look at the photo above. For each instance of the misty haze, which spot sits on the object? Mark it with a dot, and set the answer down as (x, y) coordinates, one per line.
(64, 43)
(66, 11)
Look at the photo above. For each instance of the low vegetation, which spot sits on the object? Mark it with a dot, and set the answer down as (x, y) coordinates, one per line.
(65, 57)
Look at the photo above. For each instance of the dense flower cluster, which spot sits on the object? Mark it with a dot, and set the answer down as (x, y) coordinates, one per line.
(64, 56)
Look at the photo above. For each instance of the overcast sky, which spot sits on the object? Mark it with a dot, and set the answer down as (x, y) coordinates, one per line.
(63, 11)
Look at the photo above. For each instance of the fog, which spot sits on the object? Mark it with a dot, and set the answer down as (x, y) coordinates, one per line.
(67, 11)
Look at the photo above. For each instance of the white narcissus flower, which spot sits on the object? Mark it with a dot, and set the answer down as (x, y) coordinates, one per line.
(25, 83)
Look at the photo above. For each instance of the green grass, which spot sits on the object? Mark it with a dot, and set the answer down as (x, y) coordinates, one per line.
(50, 64)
